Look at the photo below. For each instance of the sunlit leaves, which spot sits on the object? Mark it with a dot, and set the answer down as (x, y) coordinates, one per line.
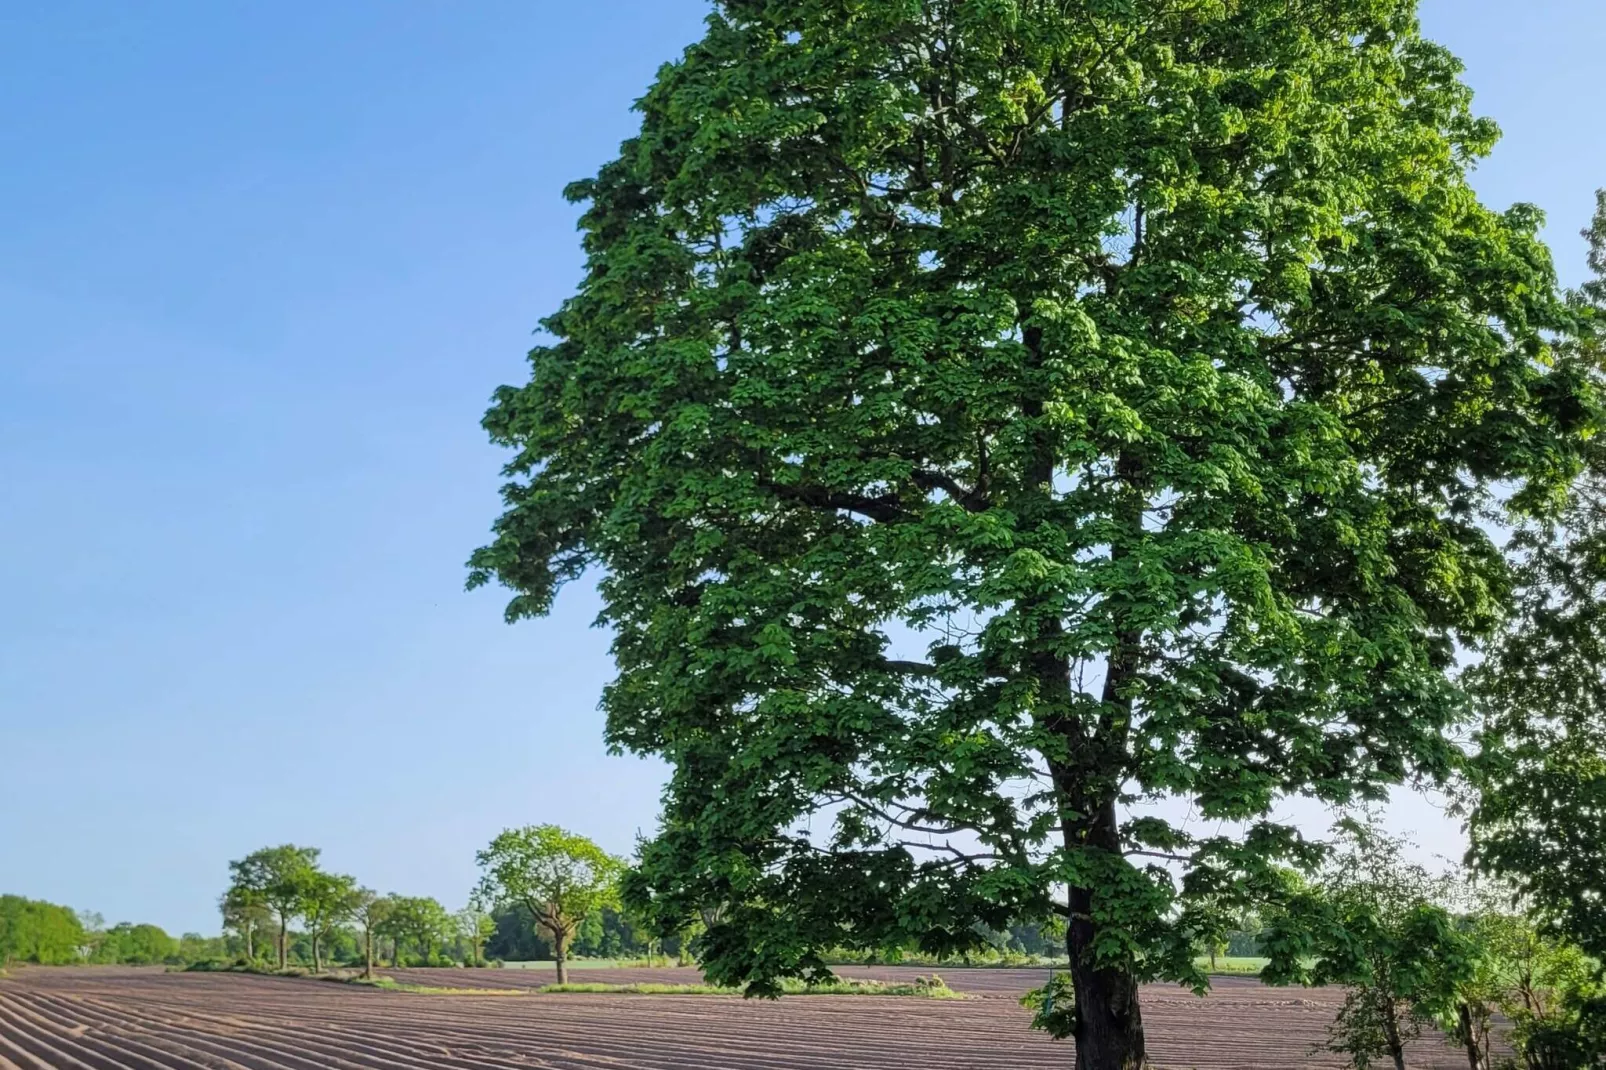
(989, 419)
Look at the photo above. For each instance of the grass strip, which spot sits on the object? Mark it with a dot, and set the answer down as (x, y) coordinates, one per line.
(389, 984)
(921, 988)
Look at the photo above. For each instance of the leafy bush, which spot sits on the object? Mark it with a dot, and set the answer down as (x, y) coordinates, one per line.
(1053, 1006)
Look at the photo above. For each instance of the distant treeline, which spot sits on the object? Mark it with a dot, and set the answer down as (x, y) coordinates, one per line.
(33, 931)
(52, 935)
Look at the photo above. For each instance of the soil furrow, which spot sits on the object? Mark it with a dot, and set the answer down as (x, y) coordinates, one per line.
(131, 1019)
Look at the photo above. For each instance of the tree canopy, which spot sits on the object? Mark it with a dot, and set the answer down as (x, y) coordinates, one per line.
(1379, 925)
(327, 899)
(35, 931)
(278, 878)
(1538, 811)
(991, 418)
(560, 877)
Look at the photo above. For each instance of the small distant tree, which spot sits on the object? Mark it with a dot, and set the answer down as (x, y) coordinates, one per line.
(1541, 987)
(371, 910)
(126, 944)
(327, 899)
(245, 914)
(686, 940)
(419, 921)
(93, 926)
(391, 925)
(1375, 923)
(277, 877)
(558, 876)
(474, 928)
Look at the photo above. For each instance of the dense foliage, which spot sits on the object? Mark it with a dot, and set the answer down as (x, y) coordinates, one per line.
(1377, 924)
(35, 931)
(50, 935)
(1420, 953)
(135, 945)
(1538, 813)
(558, 877)
(990, 418)
(278, 879)
(606, 934)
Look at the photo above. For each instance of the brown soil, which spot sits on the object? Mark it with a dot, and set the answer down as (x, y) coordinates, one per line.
(131, 1019)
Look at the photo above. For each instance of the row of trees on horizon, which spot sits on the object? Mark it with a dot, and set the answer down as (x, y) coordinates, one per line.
(1412, 949)
(540, 886)
(32, 930)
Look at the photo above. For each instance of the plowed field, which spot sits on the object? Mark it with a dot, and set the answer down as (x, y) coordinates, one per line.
(126, 1019)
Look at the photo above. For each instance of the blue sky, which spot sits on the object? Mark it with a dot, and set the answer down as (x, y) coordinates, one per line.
(262, 264)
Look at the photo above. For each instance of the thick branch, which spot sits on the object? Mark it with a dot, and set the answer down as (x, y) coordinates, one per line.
(974, 501)
(885, 508)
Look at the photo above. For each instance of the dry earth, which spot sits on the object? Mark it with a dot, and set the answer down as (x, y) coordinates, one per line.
(133, 1019)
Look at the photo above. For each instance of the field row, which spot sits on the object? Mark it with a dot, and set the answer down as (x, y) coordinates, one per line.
(124, 1019)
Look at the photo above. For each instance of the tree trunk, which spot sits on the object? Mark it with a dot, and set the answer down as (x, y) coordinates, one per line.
(1391, 1036)
(284, 940)
(560, 952)
(1212, 958)
(317, 961)
(1469, 1037)
(368, 954)
(250, 947)
(1109, 1022)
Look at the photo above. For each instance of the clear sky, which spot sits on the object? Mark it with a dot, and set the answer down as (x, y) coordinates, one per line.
(261, 264)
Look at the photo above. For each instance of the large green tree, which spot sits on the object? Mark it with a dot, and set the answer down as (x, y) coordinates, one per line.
(278, 878)
(560, 877)
(989, 418)
(1538, 811)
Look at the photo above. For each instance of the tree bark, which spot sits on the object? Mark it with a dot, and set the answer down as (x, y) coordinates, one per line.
(317, 961)
(250, 947)
(1469, 1037)
(1391, 1035)
(560, 952)
(1109, 1022)
(368, 954)
(284, 940)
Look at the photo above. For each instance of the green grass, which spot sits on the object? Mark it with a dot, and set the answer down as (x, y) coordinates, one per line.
(641, 989)
(258, 968)
(658, 962)
(923, 988)
(1233, 967)
(990, 959)
(388, 984)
